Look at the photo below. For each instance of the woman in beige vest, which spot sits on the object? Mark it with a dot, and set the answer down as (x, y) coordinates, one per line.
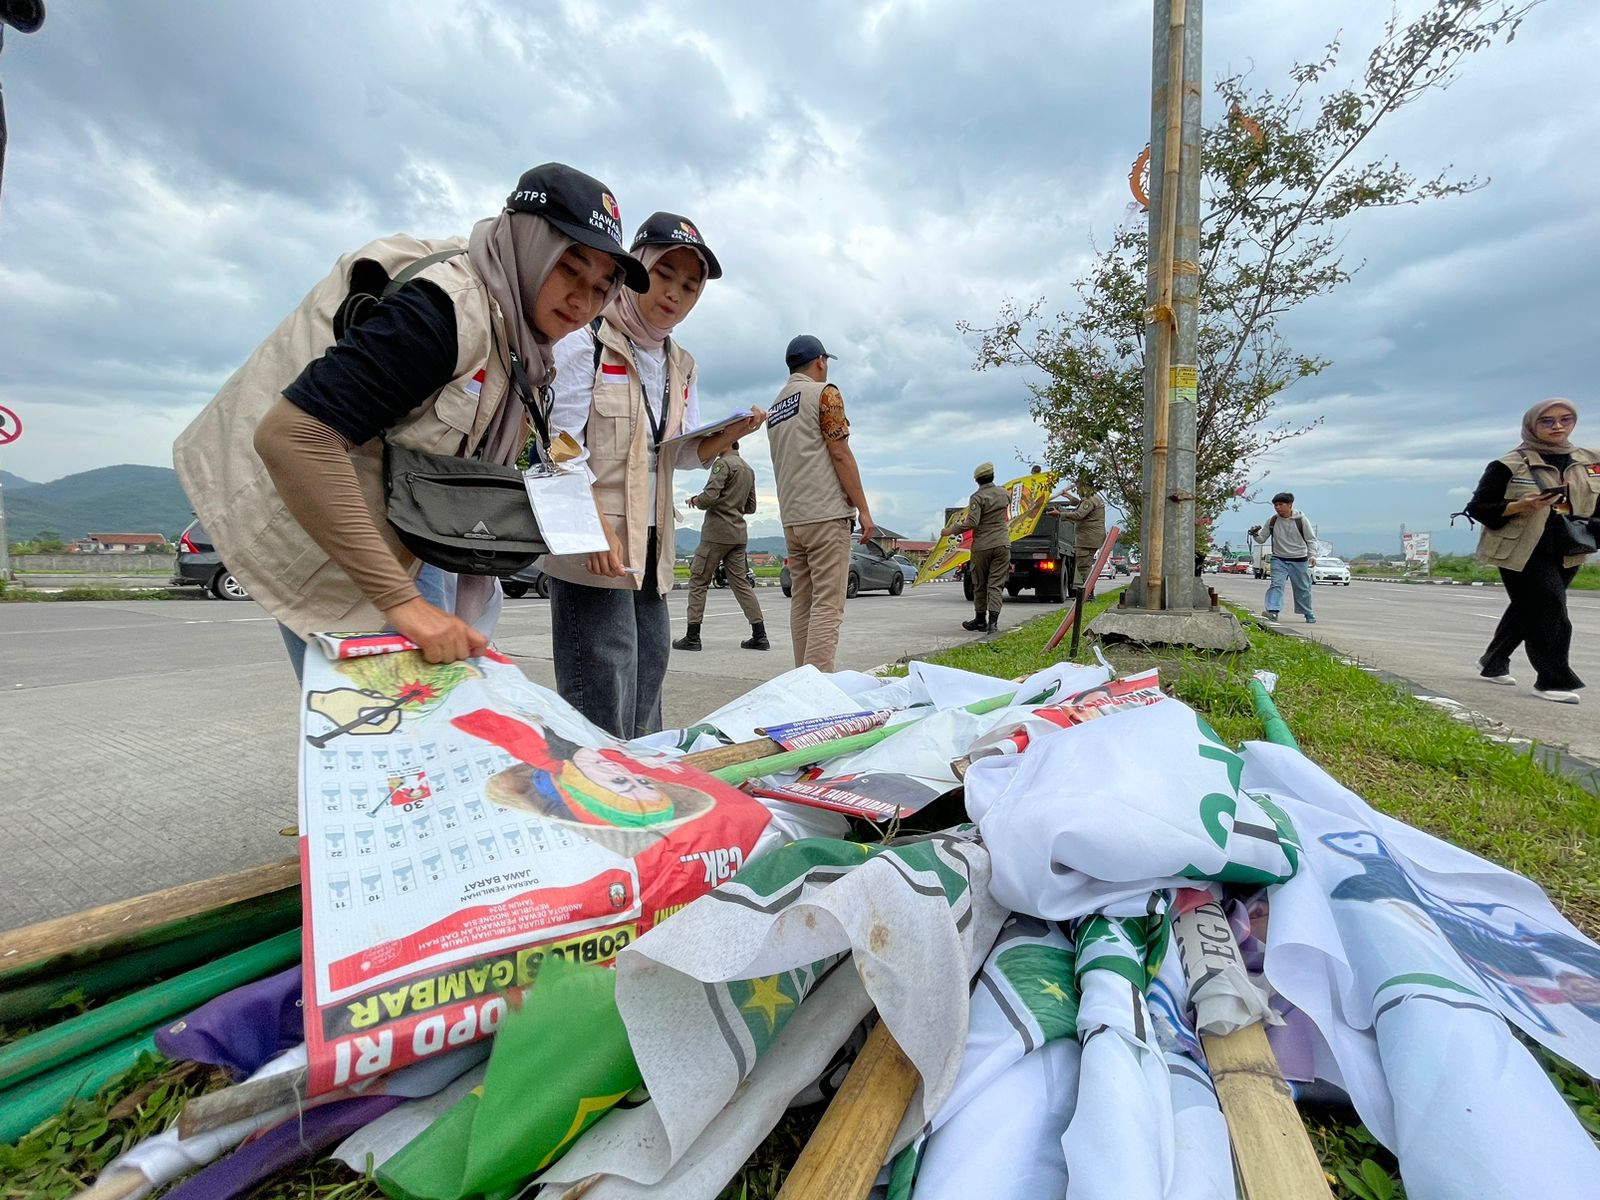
(622, 387)
(284, 465)
(1518, 501)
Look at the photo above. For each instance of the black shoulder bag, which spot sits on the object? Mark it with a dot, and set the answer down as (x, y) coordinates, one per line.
(458, 514)
(1570, 535)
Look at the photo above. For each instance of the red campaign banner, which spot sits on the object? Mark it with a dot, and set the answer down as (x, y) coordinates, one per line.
(528, 912)
(458, 824)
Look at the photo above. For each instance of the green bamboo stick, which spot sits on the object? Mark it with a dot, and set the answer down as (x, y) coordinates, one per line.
(77, 1036)
(810, 755)
(22, 1108)
(1272, 722)
(22, 1002)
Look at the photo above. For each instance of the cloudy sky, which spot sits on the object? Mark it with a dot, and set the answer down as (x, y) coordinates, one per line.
(180, 173)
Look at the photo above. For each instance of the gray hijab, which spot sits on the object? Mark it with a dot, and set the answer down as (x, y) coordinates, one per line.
(514, 254)
(1531, 438)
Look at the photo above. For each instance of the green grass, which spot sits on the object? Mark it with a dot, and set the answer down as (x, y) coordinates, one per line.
(1406, 758)
(20, 595)
(682, 572)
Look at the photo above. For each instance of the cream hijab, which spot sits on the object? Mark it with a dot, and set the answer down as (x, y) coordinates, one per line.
(623, 311)
(1533, 439)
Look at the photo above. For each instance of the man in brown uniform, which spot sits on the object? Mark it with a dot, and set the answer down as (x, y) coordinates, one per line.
(728, 497)
(819, 491)
(1090, 515)
(989, 562)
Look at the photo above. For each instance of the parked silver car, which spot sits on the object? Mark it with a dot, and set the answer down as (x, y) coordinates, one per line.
(872, 569)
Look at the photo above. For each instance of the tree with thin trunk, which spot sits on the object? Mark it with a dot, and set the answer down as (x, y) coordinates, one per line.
(1282, 173)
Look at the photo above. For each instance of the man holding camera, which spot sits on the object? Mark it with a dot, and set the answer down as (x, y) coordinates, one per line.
(1292, 540)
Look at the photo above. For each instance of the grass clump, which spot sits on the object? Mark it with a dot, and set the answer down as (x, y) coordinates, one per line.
(23, 595)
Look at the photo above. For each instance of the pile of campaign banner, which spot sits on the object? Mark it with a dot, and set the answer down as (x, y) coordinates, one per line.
(541, 961)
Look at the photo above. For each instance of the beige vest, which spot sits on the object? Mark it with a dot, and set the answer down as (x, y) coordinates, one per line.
(724, 524)
(808, 487)
(618, 438)
(1513, 543)
(289, 574)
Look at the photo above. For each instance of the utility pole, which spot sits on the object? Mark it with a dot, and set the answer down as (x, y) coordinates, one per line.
(1172, 294)
(1168, 604)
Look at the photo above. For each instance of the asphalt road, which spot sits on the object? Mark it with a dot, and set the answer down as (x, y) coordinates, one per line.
(152, 743)
(149, 744)
(1433, 634)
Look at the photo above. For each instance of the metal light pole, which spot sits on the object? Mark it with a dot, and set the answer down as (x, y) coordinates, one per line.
(1172, 292)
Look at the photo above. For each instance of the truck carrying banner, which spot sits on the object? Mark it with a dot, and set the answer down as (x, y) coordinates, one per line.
(457, 824)
(1029, 494)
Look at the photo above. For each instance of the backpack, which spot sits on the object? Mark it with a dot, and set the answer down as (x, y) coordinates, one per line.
(1305, 533)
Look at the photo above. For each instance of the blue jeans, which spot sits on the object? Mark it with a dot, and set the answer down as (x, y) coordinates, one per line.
(438, 588)
(1299, 576)
(610, 649)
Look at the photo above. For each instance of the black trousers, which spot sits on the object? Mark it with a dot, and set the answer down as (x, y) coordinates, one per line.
(1536, 619)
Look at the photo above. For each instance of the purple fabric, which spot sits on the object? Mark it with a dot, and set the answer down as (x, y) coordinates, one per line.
(298, 1140)
(242, 1029)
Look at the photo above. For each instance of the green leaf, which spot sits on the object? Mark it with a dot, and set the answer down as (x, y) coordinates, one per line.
(1379, 1181)
(1354, 1186)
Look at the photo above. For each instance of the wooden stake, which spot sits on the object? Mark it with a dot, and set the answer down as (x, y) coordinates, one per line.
(71, 940)
(1274, 1157)
(849, 1144)
(1271, 1152)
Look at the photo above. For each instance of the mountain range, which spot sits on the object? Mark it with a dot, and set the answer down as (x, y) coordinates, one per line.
(124, 499)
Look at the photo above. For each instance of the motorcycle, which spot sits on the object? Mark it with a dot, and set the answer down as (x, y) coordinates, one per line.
(719, 577)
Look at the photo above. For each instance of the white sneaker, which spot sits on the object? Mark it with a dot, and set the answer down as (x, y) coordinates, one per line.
(1556, 697)
(1502, 680)
(1269, 615)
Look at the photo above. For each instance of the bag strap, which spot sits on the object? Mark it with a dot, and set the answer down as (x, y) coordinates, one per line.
(416, 268)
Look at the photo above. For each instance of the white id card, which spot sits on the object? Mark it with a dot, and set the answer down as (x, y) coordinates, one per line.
(564, 505)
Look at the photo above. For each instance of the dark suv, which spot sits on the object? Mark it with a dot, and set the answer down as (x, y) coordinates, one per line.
(199, 565)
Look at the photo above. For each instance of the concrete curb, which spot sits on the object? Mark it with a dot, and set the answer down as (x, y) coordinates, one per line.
(1554, 759)
(1422, 582)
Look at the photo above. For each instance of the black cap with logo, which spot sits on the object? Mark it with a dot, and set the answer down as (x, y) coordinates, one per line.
(581, 207)
(670, 229)
(802, 350)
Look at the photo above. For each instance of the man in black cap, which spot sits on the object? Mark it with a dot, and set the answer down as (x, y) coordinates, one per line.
(285, 465)
(819, 493)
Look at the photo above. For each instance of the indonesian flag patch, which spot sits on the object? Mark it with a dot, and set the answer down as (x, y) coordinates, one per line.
(613, 369)
(475, 384)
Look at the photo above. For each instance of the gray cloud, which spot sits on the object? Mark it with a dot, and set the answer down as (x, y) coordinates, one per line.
(180, 174)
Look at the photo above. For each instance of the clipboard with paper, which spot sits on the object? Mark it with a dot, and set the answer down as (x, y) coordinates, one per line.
(705, 430)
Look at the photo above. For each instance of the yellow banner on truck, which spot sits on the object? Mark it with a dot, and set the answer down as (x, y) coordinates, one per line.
(1029, 495)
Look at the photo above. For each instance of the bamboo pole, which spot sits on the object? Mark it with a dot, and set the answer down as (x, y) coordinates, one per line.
(77, 1036)
(1274, 1157)
(22, 1108)
(1070, 620)
(788, 760)
(51, 946)
(1272, 722)
(848, 1146)
(118, 1186)
(240, 925)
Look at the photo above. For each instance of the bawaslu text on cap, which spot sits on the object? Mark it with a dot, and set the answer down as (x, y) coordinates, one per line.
(803, 349)
(581, 207)
(671, 229)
